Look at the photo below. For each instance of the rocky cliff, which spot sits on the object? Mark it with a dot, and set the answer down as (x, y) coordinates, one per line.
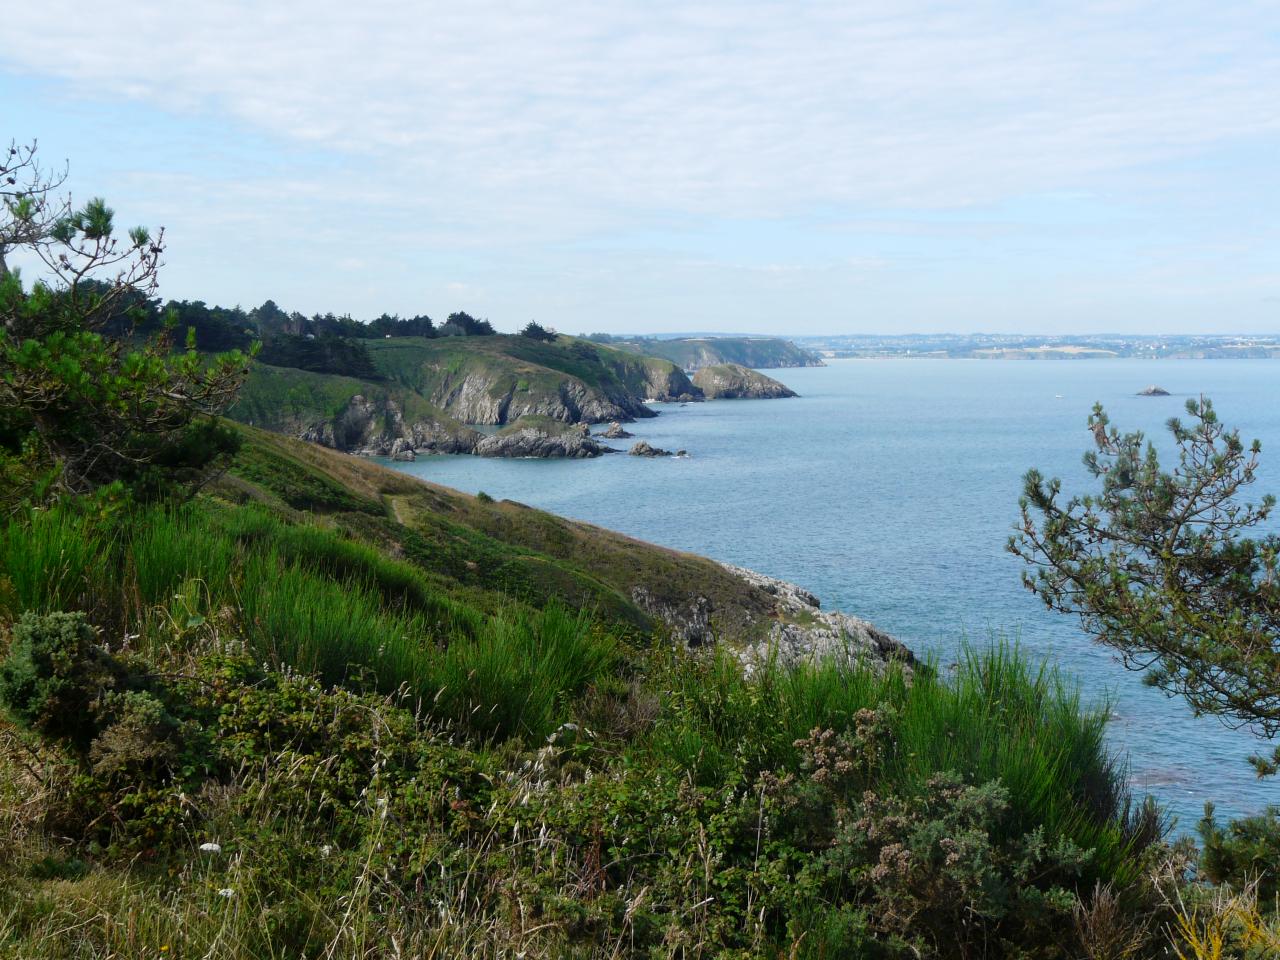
(355, 416)
(730, 381)
(499, 379)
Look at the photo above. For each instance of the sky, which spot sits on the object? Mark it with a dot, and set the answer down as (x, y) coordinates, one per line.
(789, 168)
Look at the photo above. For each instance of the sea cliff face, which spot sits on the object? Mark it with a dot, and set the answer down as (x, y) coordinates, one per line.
(730, 381)
(481, 395)
(377, 427)
(497, 380)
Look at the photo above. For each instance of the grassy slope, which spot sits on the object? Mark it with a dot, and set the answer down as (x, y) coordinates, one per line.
(490, 550)
(357, 826)
(703, 351)
(285, 399)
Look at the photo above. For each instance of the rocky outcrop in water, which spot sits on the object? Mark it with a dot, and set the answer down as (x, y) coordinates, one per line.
(643, 449)
(1153, 391)
(615, 432)
(729, 381)
(530, 440)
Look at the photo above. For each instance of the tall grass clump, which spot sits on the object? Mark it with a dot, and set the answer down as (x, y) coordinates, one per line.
(58, 559)
(512, 675)
(518, 674)
(327, 552)
(298, 618)
(171, 547)
(996, 717)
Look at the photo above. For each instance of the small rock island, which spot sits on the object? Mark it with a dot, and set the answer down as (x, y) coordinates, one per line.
(1153, 391)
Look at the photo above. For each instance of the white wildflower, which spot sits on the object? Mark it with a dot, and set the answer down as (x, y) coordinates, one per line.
(326, 850)
(226, 892)
(210, 847)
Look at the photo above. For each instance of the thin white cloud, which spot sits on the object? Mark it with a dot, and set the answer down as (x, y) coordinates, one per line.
(733, 108)
(494, 151)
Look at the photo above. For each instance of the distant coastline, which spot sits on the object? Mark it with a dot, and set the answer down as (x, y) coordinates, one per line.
(1029, 347)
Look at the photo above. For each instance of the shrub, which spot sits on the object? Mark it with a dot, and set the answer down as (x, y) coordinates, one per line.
(55, 676)
(1244, 853)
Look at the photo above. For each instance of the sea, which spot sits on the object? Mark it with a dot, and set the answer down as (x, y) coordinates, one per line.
(889, 488)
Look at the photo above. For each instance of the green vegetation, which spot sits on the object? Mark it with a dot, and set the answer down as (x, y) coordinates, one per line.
(321, 709)
(693, 353)
(324, 660)
(1156, 566)
(522, 374)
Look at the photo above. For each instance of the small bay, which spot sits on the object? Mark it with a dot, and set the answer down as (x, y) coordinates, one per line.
(889, 489)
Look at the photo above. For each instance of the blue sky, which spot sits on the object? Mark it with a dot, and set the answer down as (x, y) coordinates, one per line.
(750, 166)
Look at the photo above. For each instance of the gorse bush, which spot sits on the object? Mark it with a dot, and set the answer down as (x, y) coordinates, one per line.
(55, 676)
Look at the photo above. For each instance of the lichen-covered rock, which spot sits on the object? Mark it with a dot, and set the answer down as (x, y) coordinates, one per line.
(804, 631)
(689, 620)
(542, 437)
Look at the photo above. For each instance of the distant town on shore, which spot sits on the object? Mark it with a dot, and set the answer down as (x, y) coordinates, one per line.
(1013, 346)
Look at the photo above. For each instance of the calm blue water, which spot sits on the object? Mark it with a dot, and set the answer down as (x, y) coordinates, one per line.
(889, 489)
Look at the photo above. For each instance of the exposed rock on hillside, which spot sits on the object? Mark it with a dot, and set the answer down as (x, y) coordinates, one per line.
(498, 379)
(804, 631)
(729, 381)
(377, 427)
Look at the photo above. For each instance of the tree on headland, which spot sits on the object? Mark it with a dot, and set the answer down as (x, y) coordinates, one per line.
(465, 325)
(80, 410)
(536, 331)
(1158, 565)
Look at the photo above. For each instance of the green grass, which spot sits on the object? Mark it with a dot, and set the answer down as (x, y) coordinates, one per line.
(308, 598)
(997, 717)
(48, 564)
(406, 642)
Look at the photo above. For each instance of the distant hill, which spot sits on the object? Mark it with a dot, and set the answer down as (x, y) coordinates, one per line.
(694, 353)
